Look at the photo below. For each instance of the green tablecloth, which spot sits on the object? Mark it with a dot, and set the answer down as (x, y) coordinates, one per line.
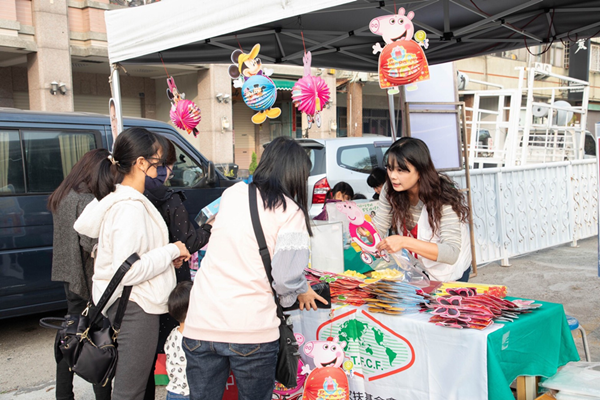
(536, 344)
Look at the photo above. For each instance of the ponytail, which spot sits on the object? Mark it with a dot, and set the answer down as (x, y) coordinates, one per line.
(103, 182)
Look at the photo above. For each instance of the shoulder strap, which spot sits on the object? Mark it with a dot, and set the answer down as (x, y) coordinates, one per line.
(112, 286)
(262, 243)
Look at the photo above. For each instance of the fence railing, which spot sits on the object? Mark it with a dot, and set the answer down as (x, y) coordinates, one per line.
(523, 209)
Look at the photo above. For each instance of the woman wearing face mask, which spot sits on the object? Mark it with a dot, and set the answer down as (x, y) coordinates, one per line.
(427, 211)
(126, 222)
(169, 204)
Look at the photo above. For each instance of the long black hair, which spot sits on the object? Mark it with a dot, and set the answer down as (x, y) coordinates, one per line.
(283, 171)
(85, 176)
(435, 189)
(131, 144)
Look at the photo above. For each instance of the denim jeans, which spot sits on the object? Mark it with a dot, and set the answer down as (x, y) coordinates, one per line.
(175, 396)
(209, 363)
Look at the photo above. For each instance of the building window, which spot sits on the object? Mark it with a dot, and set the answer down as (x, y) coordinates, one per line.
(376, 122)
(342, 122)
(595, 58)
(566, 55)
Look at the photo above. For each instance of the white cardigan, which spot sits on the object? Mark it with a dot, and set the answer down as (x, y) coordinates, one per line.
(125, 222)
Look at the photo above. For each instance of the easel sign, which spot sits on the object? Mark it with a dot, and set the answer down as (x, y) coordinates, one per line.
(432, 115)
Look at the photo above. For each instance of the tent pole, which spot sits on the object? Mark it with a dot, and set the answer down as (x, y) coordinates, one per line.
(392, 116)
(116, 115)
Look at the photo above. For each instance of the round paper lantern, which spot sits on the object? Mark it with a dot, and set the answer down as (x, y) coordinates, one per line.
(259, 92)
(326, 383)
(402, 62)
(310, 94)
(185, 114)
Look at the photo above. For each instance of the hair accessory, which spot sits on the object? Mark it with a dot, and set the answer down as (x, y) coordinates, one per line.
(112, 159)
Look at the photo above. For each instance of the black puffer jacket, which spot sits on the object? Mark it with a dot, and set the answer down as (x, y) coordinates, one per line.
(170, 205)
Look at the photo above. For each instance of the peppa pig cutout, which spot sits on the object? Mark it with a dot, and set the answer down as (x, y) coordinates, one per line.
(327, 381)
(363, 232)
(258, 90)
(402, 60)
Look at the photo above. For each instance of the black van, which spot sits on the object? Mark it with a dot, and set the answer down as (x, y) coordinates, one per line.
(37, 150)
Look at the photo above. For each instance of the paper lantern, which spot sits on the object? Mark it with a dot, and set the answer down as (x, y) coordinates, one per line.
(185, 114)
(329, 383)
(310, 94)
(259, 92)
(402, 62)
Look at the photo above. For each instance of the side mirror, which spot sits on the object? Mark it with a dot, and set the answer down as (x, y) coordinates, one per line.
(211, 174)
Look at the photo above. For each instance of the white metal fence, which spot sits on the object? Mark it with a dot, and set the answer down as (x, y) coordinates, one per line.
(523, 209)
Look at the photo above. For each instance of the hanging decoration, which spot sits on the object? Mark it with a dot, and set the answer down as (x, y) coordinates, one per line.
(185, 114)
(258, 90)
(310, 94)
(402, 60)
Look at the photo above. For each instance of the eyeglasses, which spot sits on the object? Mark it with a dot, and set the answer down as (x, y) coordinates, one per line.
(158, 164)
(463, 292)
(171, 175)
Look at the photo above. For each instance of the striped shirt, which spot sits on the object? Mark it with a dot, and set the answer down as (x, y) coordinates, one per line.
(449, 229)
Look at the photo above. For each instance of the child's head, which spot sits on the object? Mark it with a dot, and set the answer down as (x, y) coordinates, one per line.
(376, 179)
(342, 191)
(179, 300)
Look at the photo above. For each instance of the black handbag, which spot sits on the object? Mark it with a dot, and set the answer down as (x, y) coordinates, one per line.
(289, 354)
(88, 342)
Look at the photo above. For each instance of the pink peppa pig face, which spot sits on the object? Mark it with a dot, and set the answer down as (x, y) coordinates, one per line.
(326, 353)
(353, 213)
(394, 27)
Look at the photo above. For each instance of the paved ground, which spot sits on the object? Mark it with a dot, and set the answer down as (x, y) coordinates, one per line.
(564, 275)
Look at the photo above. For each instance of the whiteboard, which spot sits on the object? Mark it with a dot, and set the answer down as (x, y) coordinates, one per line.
(440, 132)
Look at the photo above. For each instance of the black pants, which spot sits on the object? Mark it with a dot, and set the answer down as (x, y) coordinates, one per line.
(64, 377)
(465, 277)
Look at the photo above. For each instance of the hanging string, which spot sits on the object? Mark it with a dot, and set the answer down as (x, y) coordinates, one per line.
(239, 43)
(547, 35)
(303, 44)
(395, 10)
(163, 63)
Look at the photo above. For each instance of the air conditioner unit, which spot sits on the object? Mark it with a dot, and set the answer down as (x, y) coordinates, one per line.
(542, 68)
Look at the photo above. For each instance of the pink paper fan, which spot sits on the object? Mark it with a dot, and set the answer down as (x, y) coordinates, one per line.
(310, 94)
(186, 115)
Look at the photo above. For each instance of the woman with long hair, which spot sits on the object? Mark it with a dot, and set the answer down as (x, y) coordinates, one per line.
(71, 260)
(169, 204)
(426, 210)
(231, 322)
(126, 222)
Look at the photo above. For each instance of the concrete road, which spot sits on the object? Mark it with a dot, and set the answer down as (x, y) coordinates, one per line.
(563, 274)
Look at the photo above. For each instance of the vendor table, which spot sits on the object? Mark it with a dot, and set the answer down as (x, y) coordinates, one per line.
(406, 357)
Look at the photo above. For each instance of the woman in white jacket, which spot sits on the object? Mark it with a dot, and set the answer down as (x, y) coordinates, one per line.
(126, 222)
(427, 211)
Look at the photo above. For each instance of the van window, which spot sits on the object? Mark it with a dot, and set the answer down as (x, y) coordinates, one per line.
(186, 173)
(11, 163)
(359, 158)
(50, 156)
(317, 160)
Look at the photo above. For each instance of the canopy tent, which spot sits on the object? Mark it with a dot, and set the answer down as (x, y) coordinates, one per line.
(337, 31)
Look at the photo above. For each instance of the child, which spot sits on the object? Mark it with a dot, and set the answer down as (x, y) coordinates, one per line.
(376, 180)
(176, 363)
(342, 191)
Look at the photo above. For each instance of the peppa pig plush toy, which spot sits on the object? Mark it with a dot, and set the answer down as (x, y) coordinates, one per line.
(402, 60)
(327, 381)
(367, 244)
